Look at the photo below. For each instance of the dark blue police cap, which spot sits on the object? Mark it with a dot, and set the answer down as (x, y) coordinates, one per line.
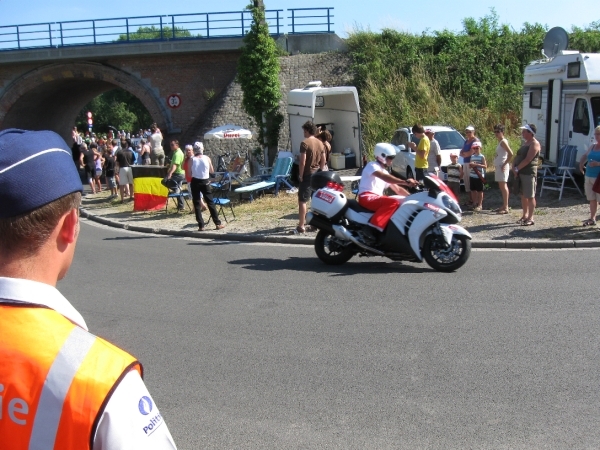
(36, 168)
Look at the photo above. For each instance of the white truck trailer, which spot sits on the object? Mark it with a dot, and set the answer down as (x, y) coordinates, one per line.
(562, 96)
(335, 107)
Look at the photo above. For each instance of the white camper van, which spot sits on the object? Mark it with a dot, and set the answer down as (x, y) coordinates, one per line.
(335, 107)
(562, 96)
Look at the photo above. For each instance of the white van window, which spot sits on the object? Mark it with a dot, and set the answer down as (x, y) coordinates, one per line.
(581, 117)
(535, 98)
(596, 110)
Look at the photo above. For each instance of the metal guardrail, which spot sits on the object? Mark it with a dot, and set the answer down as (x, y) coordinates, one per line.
(298, 19)
(159, 28)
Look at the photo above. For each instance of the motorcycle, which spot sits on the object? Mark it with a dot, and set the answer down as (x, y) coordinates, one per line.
(425, 226)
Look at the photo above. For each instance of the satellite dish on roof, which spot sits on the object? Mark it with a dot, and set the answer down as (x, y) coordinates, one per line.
(555, 41)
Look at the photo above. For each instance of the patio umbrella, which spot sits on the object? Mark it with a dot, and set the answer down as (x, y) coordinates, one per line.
(228, 132)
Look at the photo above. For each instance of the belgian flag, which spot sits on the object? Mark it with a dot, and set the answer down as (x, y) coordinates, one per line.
(150, 194)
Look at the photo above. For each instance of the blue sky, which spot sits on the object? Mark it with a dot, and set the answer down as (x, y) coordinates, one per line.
(413, 17)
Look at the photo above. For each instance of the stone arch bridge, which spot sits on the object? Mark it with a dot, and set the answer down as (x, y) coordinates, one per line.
(46, 88)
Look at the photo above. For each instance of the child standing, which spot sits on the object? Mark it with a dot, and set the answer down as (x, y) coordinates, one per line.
(109, 167)
(455, 173)
(477, 175)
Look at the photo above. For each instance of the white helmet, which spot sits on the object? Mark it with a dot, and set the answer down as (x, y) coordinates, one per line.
(383, 150)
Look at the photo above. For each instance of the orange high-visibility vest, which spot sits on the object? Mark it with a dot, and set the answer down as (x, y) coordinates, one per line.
(55, 379)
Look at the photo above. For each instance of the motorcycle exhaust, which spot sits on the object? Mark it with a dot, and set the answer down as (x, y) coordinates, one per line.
(338, 231)
(319, 222)
(342, 233)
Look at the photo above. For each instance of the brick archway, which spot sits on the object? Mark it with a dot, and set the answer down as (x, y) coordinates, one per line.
(51, 96)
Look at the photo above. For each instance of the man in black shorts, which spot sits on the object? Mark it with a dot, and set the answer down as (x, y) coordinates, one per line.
(87, 160)
(312, 152)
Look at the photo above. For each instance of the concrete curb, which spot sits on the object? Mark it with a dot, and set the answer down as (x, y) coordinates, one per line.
(199, 234)
(512, 244)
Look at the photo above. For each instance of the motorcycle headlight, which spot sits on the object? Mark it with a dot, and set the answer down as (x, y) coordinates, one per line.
(451, 204)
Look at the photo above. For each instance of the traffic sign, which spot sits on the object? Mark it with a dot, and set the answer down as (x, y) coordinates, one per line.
(174, 101)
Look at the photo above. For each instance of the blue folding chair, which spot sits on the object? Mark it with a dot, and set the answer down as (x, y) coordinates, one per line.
(278, 177)
(177, 191)
(221, 198)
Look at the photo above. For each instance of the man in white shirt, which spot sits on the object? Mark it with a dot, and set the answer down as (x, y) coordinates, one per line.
(434, 159)
(63, 387)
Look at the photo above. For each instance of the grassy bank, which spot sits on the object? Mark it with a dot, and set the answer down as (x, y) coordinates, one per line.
(474, 77)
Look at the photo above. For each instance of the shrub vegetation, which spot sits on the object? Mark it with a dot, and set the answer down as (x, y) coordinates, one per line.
(473, 77)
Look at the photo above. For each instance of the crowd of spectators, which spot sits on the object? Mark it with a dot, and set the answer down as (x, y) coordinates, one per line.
(114, 156)
(525, 162)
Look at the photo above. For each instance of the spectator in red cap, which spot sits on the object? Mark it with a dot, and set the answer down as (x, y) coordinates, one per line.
(466, 155)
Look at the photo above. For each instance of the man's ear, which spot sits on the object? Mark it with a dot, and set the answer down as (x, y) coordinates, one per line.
(69, 227)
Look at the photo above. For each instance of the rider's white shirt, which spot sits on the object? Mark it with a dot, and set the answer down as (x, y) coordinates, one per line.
(370, 183)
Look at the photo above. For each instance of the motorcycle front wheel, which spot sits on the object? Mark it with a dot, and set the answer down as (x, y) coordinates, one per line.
(329, 251)
(445, 258)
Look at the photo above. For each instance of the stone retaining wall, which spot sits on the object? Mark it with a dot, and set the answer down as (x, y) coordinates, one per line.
(332, 69)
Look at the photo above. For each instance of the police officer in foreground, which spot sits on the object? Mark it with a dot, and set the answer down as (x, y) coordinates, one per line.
(61, 387)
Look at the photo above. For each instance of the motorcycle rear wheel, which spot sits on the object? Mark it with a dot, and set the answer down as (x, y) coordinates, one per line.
(446, 259)
(329, 251)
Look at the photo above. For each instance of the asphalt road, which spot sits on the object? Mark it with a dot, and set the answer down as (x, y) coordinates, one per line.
(260, 346)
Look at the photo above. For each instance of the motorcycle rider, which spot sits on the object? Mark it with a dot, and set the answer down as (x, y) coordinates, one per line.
(375, 180)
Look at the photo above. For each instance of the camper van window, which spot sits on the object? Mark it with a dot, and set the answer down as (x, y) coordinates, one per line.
(319, 101)
(581, 117)
(596, 110)
(573, 69)
(535, 98)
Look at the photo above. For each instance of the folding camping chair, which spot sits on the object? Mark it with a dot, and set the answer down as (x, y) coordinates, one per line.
(177, 191)
(279, 176)
(235, 170)
(221, 198)
(554, 177)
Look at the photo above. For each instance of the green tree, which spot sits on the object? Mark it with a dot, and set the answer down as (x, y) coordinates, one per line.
(258, 75)
(117, 108)
(153, 32)
(586, 40)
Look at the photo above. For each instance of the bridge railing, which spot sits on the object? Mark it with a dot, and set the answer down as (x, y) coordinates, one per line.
(305, 17)
(160, 28)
